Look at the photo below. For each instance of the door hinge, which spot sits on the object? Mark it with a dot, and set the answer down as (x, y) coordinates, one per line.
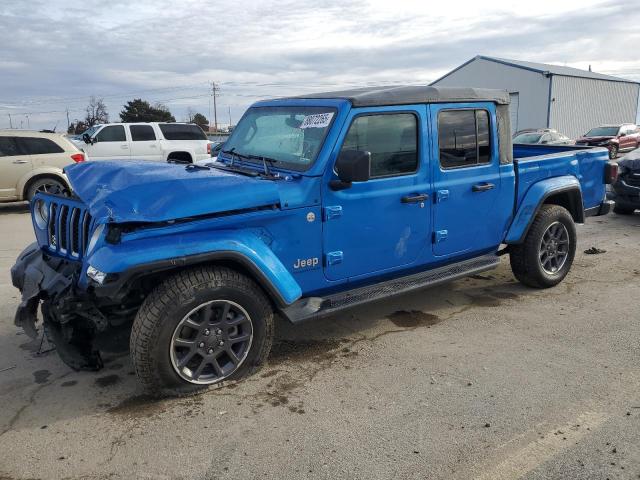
(332, 212)
(442, 195)
(334, 258)
(440, 236)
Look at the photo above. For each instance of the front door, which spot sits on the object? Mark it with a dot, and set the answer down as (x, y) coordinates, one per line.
(383, 223)
(144, 144)
(110, 143)
(468, 216)
(14, 165)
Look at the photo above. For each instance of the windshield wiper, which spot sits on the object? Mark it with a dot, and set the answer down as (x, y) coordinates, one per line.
(267, 172)
(231, 168)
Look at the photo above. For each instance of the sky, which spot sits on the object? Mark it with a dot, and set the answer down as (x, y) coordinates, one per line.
(55, 54)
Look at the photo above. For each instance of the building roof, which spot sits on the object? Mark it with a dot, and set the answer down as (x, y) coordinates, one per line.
(543, 68)
(406, 95)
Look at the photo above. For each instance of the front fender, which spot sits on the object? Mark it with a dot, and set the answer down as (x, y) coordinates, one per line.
(534, 199)
(135, 258)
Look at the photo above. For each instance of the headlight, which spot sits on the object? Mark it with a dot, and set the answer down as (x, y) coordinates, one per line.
(41, 214)
(94, 238)
(95, 274)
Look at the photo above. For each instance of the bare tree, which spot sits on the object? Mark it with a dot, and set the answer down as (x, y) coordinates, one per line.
(96, 112)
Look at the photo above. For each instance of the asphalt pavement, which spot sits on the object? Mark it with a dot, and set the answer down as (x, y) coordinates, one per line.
(478, 379)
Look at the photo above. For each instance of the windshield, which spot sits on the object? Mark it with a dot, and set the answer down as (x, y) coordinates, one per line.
(291, 136)
(527, 138)
(90, 131)
(602, 132)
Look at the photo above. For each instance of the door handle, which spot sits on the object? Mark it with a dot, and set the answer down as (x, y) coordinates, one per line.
(417, 198)
(124, 147)
(20, 161)
(482, 187)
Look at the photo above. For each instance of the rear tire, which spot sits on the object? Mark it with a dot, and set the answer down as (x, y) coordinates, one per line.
(199, 297)
(546, 255)
(623, 210)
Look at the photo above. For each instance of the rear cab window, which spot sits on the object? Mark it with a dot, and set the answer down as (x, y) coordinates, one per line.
(464, 138)
(178, 131)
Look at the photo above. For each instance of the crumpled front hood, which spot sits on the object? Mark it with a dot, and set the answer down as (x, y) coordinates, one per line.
(145, 191)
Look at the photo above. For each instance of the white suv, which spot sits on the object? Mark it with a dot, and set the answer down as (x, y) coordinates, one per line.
(32, 162)
(180, 142)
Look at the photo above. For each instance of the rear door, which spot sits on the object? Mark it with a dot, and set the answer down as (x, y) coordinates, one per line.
(110, 144)
(15, 163)
(383, 223)
(466, 174)
(144, 144)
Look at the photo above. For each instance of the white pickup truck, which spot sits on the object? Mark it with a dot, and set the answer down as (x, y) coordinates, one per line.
(161, 142)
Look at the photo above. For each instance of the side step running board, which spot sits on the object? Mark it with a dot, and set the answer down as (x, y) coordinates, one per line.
(314, 307)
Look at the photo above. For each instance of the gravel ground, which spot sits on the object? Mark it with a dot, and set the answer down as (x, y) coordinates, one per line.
(481, 378)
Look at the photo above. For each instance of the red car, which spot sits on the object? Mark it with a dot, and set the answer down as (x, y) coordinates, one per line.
(617, 138)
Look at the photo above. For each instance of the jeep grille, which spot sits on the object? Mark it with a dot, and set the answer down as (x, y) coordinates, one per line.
(68, 226)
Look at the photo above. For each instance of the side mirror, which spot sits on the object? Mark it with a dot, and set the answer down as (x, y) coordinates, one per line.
(351, 166)
(87, 139)
(622, 134)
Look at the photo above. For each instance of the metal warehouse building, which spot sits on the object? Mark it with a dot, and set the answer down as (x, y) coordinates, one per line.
(550, 96)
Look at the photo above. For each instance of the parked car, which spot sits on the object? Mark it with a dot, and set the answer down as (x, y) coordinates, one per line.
(177, 142)
(626, 189)
(543, 136)
(32, 162)
(316, 204)
(616, 138)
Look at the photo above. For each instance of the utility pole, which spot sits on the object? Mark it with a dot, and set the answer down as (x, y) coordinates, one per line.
(10, 121)
(28, 123)
(214, 90)
(229, 117)
(68, 124)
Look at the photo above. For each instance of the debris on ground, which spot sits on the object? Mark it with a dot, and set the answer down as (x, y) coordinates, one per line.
(594, 251)
(8, 368)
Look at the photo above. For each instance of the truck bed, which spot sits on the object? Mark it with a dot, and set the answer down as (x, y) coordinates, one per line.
(538, 162)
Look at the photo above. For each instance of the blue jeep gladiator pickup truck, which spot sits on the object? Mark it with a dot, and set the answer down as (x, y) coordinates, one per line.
(316, 204)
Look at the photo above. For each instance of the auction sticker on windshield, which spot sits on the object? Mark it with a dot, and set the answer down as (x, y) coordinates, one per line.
(318, 120)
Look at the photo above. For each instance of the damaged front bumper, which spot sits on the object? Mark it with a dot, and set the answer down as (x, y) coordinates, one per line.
(38, 279)
(70, 318)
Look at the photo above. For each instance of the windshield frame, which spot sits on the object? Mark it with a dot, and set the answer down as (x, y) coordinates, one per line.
(281, 164)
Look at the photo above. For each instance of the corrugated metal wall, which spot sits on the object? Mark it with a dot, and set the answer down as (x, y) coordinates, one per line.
(532, 88)
(578, 104)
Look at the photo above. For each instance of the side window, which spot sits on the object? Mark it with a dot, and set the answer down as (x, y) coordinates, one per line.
(392, 140)
(39, 146)
(464, 138)
(9, 147)
(142, 133)
(113, 133)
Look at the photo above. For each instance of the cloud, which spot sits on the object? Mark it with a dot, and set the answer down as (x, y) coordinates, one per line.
(57, 53)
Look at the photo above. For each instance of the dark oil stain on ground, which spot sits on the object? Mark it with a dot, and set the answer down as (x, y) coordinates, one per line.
(70, 383)
(485, 301)
(41, 376)
(413, 319)
(505, 295)
(107, 380)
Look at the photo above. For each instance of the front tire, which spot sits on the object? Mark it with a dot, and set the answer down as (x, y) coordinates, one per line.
(199, 328)
(546, 255)
(46, 185)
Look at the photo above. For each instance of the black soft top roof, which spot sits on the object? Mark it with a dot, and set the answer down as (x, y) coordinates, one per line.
(406, 95)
